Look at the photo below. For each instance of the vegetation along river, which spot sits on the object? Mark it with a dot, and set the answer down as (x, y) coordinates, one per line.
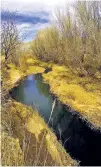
(77, 138)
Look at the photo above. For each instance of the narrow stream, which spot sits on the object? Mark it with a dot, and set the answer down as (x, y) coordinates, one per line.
(77, 138)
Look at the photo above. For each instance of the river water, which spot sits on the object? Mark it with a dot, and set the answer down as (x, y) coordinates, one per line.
(78, 139)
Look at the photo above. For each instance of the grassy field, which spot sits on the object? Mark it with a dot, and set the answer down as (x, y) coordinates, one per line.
(26, 138)
(81, 94)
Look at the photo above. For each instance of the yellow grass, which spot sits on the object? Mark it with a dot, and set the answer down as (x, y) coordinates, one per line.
(27, 127)
(82, 94)
(14, 74)
(11, 153)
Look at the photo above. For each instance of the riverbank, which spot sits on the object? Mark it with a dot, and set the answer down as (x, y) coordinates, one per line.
(26, 138)
(37, 144)
(82, 94)
(14, 74)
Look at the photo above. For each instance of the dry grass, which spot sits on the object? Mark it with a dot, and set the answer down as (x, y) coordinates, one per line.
(12, 75)
(23, 130)
(82, 94)
(26, 129)
(11, 153)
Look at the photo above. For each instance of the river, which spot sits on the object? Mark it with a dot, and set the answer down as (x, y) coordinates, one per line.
(78, 139)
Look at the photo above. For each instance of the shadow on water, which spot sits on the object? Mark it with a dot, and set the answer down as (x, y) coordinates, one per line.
(77, 138)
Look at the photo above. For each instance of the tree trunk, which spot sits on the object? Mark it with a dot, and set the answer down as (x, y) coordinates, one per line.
(6, 58)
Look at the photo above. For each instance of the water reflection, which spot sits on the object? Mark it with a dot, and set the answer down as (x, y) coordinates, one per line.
(42, 87)
(82, 143)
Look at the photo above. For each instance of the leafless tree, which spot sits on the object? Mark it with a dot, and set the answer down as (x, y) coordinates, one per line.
(9, 37)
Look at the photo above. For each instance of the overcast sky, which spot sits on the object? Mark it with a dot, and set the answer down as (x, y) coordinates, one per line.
(32, 15)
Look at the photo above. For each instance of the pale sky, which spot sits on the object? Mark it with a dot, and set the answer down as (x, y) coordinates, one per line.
(32, 15)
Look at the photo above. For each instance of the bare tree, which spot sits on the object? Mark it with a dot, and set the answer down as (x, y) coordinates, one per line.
(9, 37)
